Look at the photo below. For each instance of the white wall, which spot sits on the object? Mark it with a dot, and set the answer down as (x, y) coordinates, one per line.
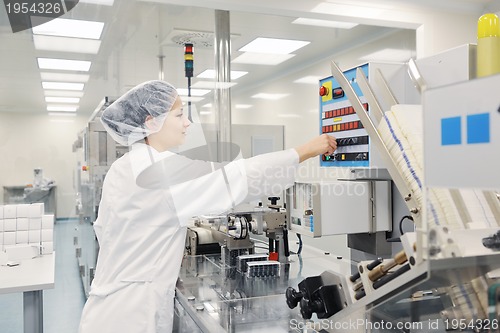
(29, 141)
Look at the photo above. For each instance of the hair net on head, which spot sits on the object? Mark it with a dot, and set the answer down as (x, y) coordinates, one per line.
(124, 119)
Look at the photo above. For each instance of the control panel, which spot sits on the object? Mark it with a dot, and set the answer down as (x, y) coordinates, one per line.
(338, 118)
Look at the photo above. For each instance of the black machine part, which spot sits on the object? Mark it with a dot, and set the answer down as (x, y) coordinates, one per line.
(315, 297)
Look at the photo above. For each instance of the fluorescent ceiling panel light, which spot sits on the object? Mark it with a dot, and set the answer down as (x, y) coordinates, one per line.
(70, 28)
(65, 108)
(63, 93)
(194, 92)
(325, 23)
(389, 55)
(66, 77)
(308, 79)
(62, 85)
(243, 106)
(205, 113)
(272, 97)
(273, 45)
(51, 99)
(62, 114)
(208, 105)
(213, 85)
(65, 44)
(99, 2)
(210, 74)
(262, 58)
(64, 64)
(368, 11)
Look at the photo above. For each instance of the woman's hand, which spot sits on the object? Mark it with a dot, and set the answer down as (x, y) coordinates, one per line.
(323, 144)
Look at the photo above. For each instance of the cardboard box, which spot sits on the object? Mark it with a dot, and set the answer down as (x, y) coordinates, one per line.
(9, 224)
(48, 222)
(22, 210)
(34, 236)
(9, 212)
(35, 223)
(47, 235)
(9, 238)
(22, 224)
(47, 247)
(22, 237)
(36, 210)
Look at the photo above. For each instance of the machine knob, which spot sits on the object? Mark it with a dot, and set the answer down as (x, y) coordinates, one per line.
(293, 297)
(308, 307)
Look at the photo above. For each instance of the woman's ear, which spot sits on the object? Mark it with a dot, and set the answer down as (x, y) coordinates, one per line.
(150, 123)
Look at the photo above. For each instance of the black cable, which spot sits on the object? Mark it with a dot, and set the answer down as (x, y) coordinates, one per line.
(401, 223)
(300, 243)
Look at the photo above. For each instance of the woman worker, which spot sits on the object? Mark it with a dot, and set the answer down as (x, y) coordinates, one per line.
(148, 196)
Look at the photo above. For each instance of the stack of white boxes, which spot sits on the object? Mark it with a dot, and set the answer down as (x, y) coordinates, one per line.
(26, 225)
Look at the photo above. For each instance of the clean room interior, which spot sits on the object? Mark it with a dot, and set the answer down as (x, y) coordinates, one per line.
(277, 103)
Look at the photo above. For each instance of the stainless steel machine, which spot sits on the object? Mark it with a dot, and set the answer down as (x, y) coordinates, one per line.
(95, 151)
(443, 277)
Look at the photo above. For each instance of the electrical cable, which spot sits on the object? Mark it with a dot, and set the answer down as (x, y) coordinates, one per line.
(409, 217)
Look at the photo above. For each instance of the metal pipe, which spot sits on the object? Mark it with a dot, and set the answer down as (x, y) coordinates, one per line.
(222, 95)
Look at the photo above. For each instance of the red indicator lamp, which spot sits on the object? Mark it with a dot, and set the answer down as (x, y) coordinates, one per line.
(338, 93)
(323, 91)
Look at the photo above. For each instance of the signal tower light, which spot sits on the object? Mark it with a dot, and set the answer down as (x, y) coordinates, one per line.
(188, 59)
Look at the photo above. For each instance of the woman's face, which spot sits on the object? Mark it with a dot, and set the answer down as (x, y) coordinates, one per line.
(173, 131)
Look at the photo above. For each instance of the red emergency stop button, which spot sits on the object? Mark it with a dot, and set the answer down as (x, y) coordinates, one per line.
(323, 91)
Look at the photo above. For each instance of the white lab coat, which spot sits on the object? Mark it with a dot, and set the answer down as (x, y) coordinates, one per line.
(141, 230)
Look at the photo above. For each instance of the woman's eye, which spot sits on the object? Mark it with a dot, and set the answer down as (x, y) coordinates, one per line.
(180, 115)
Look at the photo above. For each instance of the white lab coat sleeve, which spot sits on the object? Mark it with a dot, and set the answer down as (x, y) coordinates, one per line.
(228, 186)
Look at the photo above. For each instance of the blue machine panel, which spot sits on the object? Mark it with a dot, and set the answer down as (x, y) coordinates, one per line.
(338, 118)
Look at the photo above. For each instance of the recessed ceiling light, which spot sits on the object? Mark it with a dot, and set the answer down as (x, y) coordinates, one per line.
(366, 11)
(62, 114)
(59, 108)
(270, 96)
(63, 93)
(66, 77)
(273, 45)
(66, 44)
(262, 58)
(51, 99)
(213, 85)
(64, 64)
(70, 28)
(208, 105)
(62, 85)
(324, 23)
(100, 2)
(194, 92)
(210, 74)
(205, 113)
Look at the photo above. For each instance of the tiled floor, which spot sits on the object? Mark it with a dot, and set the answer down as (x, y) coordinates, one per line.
(63, 304)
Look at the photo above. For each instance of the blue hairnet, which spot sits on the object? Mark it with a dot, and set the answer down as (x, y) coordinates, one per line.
(124, 119)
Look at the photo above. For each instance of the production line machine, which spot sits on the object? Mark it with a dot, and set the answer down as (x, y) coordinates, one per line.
(441, 277)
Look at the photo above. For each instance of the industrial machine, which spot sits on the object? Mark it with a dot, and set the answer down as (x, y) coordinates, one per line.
(95, 151)
(443, 277)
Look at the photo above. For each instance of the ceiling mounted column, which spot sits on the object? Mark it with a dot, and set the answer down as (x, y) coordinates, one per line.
(222, 95)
